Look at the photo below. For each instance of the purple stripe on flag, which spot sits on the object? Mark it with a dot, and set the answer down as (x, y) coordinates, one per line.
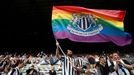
(119, 40)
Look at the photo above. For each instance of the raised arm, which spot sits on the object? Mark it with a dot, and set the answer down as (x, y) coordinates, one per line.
(129, 66)
(57, 54)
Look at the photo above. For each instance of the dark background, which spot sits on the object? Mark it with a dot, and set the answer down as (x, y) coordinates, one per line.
(25, 25)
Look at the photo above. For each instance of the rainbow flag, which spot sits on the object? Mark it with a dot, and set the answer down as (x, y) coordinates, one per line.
(89, 25)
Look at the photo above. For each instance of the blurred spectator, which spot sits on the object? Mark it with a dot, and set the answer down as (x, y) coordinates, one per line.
(16, 70)
(102, 67)
(118, 66)
(32, 71)
(52, 71)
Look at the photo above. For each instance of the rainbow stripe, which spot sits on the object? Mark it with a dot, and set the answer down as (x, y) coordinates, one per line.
(111, 21)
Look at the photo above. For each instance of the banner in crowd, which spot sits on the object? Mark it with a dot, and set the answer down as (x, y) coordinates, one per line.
(89, 25)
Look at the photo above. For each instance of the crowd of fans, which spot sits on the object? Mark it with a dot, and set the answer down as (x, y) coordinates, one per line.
(50, 64)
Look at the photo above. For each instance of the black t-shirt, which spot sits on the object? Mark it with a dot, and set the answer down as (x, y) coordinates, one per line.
(103, 69)
(32, 71)
(52, 72)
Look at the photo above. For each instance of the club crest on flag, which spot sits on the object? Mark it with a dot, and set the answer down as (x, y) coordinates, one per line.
(84, 25)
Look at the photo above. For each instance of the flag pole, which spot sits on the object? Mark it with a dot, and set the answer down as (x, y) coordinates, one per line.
(58, 46)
